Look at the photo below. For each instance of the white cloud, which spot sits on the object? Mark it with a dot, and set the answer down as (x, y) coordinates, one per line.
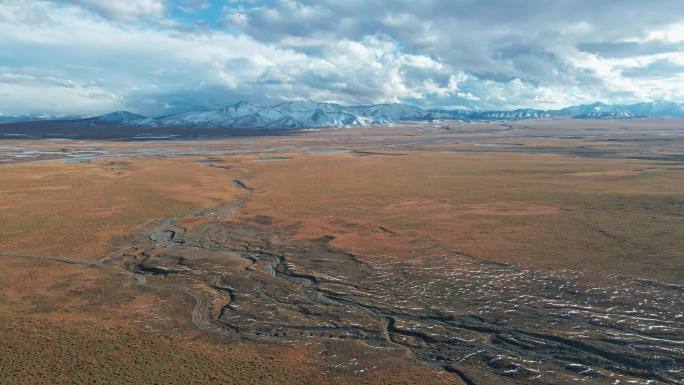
(21, 11)
(118, 54)
(193, 5)
(53, 95)
(125, 9)
(531, 41)
(141, 68)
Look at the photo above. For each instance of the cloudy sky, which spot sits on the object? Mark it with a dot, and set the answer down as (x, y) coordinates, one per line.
(162, 56)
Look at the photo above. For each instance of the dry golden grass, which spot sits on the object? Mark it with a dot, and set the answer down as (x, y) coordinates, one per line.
(50, 353)
(77, 210)
(540, 210)
(67, 324)
(72, 324)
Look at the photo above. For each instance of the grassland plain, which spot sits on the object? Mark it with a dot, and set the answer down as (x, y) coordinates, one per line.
(73, 323)
(543, 211)
(92, 252)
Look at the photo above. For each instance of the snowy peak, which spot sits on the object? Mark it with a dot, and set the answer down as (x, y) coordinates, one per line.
(303, 114)
(512, 115)
(296, 114)
(27, 117)
(305, 106)
(242, 109)
(639, 110)
(656, 109)
(391, 112)
(596, 110)
(118, 117)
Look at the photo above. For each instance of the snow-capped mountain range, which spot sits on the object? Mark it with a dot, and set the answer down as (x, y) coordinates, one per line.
(284, 115)
(34, 117)
(303, 114)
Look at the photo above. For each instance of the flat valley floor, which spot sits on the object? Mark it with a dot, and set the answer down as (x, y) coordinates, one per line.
(532, 252)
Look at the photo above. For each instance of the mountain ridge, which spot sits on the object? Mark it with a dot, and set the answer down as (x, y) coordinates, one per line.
(309, 114)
